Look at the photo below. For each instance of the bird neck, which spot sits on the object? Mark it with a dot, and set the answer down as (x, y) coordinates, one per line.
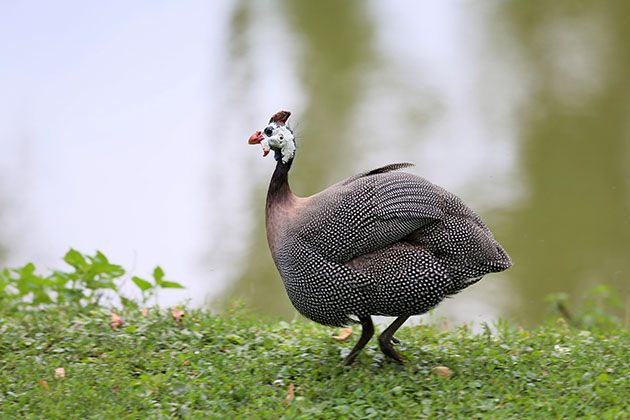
(279, 190)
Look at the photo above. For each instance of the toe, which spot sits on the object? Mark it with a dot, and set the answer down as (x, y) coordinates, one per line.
(388, 350)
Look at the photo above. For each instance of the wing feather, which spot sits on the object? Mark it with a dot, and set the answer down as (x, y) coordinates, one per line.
(370, 211)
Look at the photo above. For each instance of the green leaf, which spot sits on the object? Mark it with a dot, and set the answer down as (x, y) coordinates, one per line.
(99, 257)
(59, 279)
(70, 295)
(28, 281)
(100, 265)
(40, 297)
(131, 328)
(5, 278)
(165, 284)
(158, 274)
(27, 271)
(141, 283)
(75, 259)
(602, 377)
(116, 271)
(128, 303)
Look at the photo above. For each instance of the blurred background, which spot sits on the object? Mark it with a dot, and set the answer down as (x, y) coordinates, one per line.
(124, 126)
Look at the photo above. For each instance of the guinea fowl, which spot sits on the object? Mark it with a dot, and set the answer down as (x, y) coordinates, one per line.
(383, 242)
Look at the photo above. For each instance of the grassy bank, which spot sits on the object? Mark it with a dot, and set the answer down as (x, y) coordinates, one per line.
(235, 365)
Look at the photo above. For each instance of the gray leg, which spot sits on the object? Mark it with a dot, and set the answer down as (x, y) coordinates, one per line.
(366, 333)
(386, 338)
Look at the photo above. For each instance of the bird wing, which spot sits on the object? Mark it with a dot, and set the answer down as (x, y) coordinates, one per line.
(370, 211)
(383, 169)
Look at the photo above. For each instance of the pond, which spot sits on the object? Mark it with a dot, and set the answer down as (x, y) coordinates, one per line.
(125, 129)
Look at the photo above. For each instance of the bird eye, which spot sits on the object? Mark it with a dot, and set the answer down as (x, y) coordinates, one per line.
(268, 131)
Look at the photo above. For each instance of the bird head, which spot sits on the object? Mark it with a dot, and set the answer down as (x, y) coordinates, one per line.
(277, 137)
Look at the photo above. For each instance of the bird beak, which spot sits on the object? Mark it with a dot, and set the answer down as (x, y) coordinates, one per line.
(257, 138)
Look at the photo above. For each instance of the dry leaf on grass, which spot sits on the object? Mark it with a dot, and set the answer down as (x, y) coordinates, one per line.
(290, 394)
(43, 384)
(117, 321)
(60, 373)
(442, 371)
(343, 334)
(177, 315)
(145, 311)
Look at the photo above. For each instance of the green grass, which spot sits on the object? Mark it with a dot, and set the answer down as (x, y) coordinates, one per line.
(236, 366)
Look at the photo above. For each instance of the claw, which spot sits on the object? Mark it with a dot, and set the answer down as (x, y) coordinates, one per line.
(386, 340)
(388, 350)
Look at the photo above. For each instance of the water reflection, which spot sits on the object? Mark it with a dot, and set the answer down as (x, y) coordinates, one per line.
(572, 230)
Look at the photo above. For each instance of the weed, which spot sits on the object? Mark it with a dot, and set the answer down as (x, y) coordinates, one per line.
(85, 284)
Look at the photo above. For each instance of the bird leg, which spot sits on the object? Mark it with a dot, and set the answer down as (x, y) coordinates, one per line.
(385, 340)
(367, 332)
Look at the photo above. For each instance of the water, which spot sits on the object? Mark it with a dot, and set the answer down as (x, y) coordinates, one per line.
(124, 129)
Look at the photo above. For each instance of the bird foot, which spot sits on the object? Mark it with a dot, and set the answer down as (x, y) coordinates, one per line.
(387, 347)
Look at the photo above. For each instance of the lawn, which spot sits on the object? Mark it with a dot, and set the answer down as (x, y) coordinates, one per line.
(68, 362)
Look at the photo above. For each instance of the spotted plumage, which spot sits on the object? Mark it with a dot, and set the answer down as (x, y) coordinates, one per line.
(384, 242)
